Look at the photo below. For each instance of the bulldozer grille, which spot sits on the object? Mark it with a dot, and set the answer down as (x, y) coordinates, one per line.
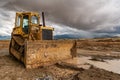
(47, 34)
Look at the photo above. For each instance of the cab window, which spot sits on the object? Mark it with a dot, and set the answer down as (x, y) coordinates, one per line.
(25, 23)
(18, 21)
(34, 20)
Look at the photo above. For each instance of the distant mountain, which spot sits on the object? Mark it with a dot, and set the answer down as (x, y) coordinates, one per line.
(104, 36)
(66, 36)
(5, 37)
(72, 36)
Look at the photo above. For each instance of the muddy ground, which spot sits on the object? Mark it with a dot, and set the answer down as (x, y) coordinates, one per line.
(11, 69)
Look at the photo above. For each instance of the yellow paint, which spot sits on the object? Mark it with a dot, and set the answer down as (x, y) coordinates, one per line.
(19, 31)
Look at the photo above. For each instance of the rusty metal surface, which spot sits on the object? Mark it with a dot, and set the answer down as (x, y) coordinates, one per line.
(42, 53)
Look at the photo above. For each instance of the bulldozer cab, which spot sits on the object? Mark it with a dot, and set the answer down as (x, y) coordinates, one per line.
(28, 25)
(27, 20)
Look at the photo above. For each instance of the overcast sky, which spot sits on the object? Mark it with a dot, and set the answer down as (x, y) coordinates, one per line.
(86, 18)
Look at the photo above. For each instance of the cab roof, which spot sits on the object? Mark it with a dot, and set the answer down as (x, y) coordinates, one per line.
(31, 13)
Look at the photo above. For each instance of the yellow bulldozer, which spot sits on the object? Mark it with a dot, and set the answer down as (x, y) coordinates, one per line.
(33, 44)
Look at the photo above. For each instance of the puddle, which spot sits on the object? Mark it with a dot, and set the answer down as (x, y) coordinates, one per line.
(109, 65)
(112, 65)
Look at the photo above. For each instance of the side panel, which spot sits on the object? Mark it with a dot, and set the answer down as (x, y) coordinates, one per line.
(42, 53)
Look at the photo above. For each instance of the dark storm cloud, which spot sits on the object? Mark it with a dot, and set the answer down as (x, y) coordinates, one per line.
(87, 15)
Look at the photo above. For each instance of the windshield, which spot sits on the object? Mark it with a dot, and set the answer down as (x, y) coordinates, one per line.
(34, 20)
(25, 23)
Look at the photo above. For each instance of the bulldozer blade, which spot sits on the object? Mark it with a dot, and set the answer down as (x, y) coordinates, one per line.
(42, 53)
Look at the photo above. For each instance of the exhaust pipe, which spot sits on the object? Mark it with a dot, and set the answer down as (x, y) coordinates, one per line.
(43, 19)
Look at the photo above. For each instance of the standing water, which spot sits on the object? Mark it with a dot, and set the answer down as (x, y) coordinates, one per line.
(109, 65)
